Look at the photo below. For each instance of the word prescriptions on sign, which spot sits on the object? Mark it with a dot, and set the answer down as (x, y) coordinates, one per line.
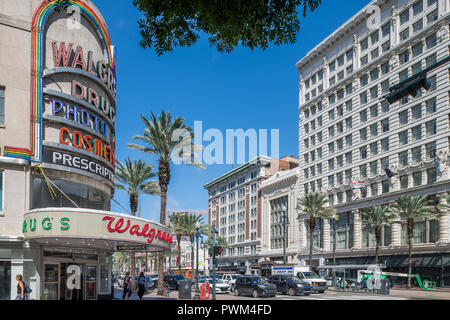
(72, 160)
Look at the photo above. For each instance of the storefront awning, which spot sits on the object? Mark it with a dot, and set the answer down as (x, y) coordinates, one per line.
(94, 229)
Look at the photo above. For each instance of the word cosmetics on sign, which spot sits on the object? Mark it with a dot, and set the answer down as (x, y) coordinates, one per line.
(88, 143)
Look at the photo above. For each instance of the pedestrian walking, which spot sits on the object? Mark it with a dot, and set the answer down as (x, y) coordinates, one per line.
(126, 286)
(141, 285)
(21, 288)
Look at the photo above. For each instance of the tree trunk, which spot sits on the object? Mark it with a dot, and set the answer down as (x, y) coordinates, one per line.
(334, 242)
(378, 238)
(179, 252)
(146, 262)
(410, 237)
(164, 178)
(133, 207)
(312, 225)
(132, 268)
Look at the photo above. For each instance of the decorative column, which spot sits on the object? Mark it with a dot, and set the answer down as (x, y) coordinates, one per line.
(326, 75)
(266, 224)
(443, 7)
(395, 30)
(292, 214)
(443, 223)
(357, 227)
(302, 233)
(326, 235)
(396, 233)
(356, 53)
(301, 91)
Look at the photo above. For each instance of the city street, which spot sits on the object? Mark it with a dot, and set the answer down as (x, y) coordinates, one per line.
(396, 294)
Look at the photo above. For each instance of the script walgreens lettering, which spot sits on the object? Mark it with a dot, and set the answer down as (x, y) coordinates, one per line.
(120, 226)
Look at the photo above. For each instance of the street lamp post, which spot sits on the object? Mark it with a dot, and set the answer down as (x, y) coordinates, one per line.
(197, 236)
(213, 264)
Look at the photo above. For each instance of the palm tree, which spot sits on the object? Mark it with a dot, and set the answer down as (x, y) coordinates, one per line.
(413, 208)
(221, 242)
(377, 217)
(164, 138)
(134, 178)
(178, 227)
(313, 205)
(189, 221)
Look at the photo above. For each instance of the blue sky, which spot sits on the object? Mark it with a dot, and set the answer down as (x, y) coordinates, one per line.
(243, 89)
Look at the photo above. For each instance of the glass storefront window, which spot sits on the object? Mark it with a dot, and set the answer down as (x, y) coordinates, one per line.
(51, 281)
(83, 195)
(104, 275)
(387, 235)
(91, 282)
(434, 231)
(424, 232)
(341, 240)
(5, 280)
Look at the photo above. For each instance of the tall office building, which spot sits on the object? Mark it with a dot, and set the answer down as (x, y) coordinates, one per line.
(374, 125)
(234, 207)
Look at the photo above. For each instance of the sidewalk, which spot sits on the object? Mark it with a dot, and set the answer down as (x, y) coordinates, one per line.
(151, 295)
(413, 293)
(173, 295)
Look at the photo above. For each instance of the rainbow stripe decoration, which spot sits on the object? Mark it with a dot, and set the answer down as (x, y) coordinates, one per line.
(18, 153)
(37, 64)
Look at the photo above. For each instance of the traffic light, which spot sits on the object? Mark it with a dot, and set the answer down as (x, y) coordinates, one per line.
(217, 250)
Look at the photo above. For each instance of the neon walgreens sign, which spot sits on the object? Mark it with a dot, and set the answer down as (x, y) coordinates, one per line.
(146, 232)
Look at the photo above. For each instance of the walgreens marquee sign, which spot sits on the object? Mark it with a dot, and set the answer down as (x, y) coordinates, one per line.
(77, 223)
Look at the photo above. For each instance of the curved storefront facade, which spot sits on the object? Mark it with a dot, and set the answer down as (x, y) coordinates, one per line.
(58, 92)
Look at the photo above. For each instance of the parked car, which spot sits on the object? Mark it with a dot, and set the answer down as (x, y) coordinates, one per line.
(254, 286)
(290, 284)
(149, 283)
(171, 281)
(221, 286)
(231, 279)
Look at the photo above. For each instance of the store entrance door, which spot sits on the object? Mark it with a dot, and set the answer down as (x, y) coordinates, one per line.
(72, 281)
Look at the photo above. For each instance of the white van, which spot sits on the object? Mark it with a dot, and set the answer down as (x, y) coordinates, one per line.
(317, 283)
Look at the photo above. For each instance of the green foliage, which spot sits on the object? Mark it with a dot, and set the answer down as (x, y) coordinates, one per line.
(314, 205)
(168, 24)
(221, 242)
(159, 138)
(378, 216)
(134, 178)
(416, 208)
(184, 223)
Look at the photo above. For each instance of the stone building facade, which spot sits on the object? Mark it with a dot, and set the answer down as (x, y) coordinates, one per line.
(234, 207)
(374, 95)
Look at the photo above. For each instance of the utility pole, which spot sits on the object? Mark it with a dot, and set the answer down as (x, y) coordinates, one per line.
(285, 223)
(334, 250)
(197, 236)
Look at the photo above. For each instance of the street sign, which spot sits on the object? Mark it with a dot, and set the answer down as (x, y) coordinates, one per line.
(131, 248)
(282, 270)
